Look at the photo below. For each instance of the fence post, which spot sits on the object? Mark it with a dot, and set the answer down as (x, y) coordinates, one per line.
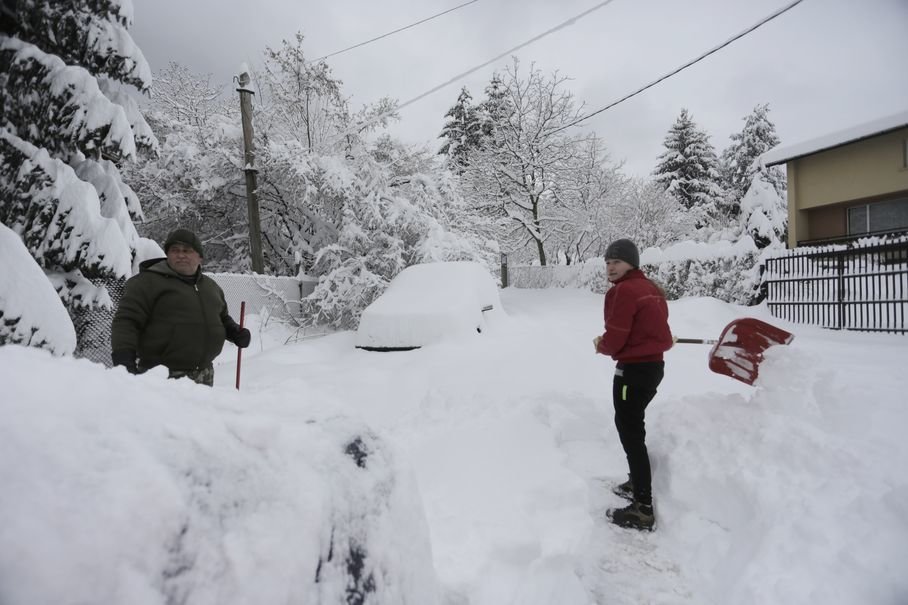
(763, 289)
(504, 270)
(840, 294)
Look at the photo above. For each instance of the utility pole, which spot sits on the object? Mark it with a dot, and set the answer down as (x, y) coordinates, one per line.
(504, 270)
(255, 224)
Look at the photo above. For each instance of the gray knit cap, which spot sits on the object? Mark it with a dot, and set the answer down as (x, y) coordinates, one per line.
(184, 236)
(623, 249)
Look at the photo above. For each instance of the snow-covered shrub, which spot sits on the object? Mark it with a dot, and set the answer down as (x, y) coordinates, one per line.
(724, 270)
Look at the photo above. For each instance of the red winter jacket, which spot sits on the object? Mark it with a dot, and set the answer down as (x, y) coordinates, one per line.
(636, 320)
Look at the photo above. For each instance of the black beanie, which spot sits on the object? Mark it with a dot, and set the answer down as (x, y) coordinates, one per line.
(184, 236)
(623, 249)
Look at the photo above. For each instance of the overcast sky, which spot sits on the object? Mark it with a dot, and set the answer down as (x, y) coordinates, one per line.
(824, 65)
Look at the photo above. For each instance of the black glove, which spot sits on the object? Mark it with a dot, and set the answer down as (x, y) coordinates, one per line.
(241, 338)
(125, 358)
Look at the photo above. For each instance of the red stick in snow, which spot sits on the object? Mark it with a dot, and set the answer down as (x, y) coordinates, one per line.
(239, 351)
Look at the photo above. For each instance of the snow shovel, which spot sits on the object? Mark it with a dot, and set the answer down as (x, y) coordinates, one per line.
(739, 350)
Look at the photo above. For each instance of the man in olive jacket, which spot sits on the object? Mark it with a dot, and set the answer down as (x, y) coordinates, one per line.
(173, 315)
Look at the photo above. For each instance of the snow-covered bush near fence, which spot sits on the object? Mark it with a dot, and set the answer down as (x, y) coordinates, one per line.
(729, 271)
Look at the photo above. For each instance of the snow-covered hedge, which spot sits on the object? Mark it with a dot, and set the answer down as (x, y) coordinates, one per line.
(728, 271)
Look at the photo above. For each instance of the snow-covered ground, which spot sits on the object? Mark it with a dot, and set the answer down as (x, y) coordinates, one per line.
(496, 451)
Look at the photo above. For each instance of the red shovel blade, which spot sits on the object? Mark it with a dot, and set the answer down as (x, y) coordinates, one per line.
(739, 351)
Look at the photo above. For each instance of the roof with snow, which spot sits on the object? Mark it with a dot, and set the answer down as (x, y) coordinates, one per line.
(780, 155)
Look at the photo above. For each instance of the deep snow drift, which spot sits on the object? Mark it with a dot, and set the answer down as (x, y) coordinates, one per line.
(122, 489)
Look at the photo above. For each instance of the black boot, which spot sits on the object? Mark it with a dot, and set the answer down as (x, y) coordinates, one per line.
(635, 516)
(625, 490)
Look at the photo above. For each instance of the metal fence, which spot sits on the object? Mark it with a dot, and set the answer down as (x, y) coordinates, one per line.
(264, 294)
(274, 296)
(859, 286)
(590, 275)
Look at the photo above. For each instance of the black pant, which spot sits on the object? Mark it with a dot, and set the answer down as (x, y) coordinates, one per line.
(633, 388)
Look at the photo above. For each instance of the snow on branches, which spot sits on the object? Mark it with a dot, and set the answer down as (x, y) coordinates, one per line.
(66, 111)
(57, 215)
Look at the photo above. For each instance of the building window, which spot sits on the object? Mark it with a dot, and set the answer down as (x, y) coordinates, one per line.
(857, 220)
(878, 217)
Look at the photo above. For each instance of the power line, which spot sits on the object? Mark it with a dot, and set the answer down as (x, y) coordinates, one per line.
(460, 76)
(391, 33)
(762, 22)
(561, 25)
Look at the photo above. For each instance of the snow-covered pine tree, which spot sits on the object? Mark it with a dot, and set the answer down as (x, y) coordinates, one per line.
(495, 107)
(462, 132)
(31, 313)
(764, 213)
(689, 170)
(64, 125)
(738, 162)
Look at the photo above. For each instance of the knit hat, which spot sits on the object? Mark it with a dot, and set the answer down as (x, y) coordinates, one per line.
(186, 237)
(623, 249)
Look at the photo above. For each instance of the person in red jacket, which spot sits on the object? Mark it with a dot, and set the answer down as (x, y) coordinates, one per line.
(636, 335)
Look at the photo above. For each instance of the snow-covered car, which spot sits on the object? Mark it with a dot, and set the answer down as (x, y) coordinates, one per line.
(429, 303)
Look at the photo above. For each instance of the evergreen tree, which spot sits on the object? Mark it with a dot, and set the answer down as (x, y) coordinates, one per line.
(739, 160)
(65, 125)
(764, 213)
(496, 107)
(689, 170)
(462, 132)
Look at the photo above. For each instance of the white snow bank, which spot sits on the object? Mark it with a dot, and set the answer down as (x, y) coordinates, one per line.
(159, 491)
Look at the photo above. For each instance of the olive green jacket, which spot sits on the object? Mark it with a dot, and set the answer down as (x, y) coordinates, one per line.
(180, 322)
